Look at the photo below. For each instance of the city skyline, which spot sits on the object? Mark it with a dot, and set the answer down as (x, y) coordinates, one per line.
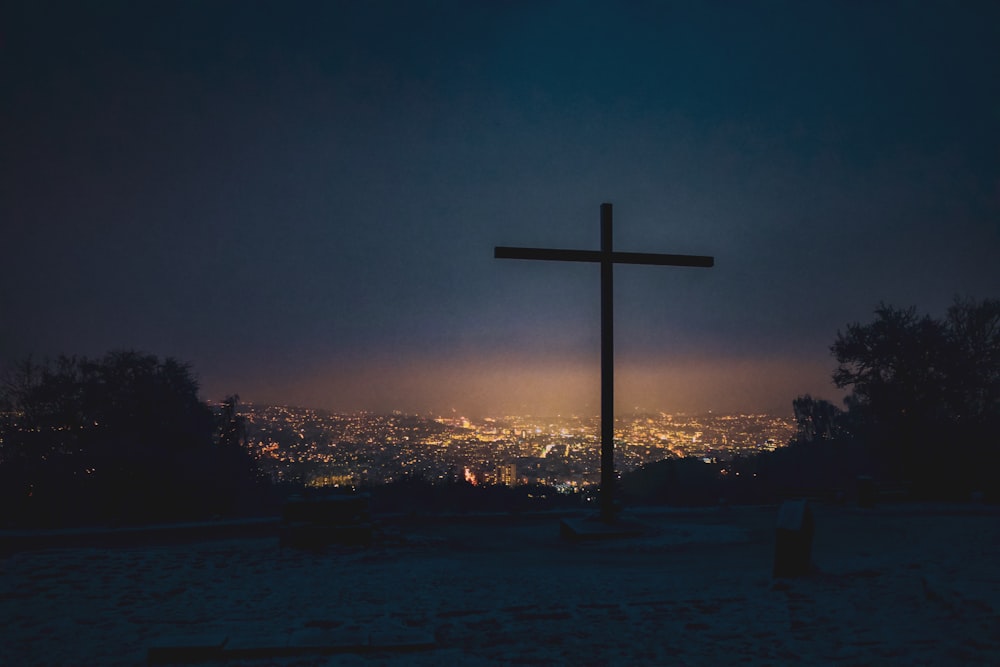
(302, 200)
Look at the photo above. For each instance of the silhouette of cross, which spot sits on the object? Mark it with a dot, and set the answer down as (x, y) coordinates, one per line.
(607, 258)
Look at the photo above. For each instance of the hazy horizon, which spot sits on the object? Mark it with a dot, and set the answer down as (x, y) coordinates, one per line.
(548, 388)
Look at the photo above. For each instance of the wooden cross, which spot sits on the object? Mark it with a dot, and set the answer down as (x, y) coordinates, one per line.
(607, 258)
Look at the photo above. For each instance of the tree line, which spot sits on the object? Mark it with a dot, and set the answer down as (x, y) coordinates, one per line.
(922, 414)
(118, 439)
(924, 396)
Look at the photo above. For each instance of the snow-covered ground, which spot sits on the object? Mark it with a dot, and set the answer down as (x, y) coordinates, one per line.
(905, 585)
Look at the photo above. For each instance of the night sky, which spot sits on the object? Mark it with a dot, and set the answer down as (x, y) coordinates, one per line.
(301, 200)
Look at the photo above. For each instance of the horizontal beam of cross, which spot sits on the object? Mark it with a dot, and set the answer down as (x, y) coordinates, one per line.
(507, 252)
(607, 258)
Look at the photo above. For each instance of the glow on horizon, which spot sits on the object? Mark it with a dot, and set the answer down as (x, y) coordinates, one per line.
(506, 384)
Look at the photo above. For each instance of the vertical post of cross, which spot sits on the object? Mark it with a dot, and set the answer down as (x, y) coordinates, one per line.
(607, 498)
(607, 258)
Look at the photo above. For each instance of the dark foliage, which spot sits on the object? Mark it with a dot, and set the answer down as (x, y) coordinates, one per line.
(826, 468)
(818, 420)
(119, 439)
(925, 393)
(923, 416)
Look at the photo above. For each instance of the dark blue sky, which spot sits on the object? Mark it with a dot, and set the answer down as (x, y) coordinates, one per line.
(301, 199)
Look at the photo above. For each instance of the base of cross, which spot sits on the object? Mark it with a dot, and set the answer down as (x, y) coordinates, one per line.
(596, 528)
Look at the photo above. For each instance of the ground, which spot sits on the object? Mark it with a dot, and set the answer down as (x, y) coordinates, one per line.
(902, 584)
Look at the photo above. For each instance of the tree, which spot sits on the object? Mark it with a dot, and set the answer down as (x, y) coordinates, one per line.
(243, 484)
(817, 419)
(895, 365)
(973, 331)
(232, 425)
(121, 438)
(924, 391)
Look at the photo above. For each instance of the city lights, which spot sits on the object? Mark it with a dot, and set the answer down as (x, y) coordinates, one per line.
(320, 448)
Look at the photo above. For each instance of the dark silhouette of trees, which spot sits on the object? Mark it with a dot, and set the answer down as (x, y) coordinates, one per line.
(974, 344)
(923, 415)
(925, 392)
(122, 438)
(232, 425)
(242, 486)
(817, 419)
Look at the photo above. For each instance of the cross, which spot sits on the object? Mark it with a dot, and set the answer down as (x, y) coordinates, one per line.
(607, 259)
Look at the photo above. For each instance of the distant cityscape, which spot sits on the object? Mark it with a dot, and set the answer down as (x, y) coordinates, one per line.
(325, 449)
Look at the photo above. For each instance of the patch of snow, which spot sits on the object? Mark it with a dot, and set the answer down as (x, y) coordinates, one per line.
(889, 587)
